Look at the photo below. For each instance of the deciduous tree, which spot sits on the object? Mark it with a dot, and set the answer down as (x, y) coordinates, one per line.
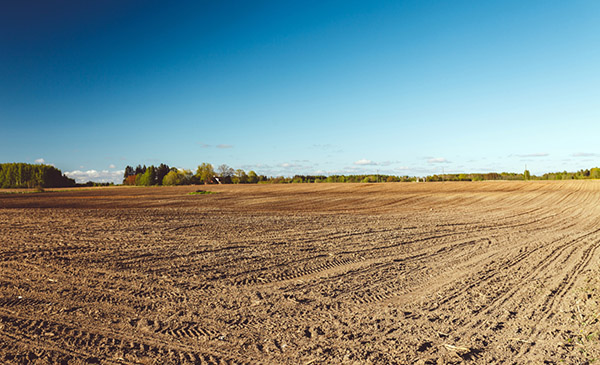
(240, 177)
(148, 178)
(205, 173)
(225, 173)
(252, 177)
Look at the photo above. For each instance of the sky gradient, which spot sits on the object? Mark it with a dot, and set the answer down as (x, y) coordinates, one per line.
(399, 87)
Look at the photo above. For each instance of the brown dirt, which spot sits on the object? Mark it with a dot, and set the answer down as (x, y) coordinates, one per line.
(486, 272)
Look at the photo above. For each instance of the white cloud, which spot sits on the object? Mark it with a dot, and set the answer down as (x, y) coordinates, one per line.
(323, 146)
(538, 154)
(256, 166)
(437, 160)
(287, 165)
(96, 176)
(585, 154)
(40, 160)
(112, 166)
(221, 146)
(365, 162)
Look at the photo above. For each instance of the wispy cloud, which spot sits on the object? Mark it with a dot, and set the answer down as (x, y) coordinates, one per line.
(256, 166)
(324, 146)
(437, 160)
(538, 154)
(206, 145)
(365, 162)
(282, 169)
(287, 165)
(40, 160)
(585, 154)
(96, 176)
(112, 166)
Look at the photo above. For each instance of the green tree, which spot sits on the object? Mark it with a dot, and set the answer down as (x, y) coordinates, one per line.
(172, 178)
(526, 175)
(205, 173)
(161, 171)
(240, 177)
(148, 178)
(22, 175)
(252, 177)
(177, 177)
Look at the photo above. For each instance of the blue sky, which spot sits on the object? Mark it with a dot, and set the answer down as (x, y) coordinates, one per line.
(399, 87)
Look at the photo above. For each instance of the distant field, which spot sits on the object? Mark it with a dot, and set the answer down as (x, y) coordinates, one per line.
(487, 272)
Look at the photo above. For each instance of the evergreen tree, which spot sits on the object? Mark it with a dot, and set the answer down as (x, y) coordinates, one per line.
(128, 172)
(161, 171)
(140, 170)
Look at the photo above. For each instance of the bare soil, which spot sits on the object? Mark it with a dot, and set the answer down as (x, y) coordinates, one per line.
(477, 272)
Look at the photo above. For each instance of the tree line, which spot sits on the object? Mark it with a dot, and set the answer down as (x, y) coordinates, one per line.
(593, 173)
(480, 177)
(205, 174)
(297, 179)
(23, 175)
(223, 174)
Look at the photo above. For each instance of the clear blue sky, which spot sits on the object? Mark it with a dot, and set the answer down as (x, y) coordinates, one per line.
(285, 87)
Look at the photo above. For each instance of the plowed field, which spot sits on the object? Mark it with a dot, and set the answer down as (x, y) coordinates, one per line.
(482, 272)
